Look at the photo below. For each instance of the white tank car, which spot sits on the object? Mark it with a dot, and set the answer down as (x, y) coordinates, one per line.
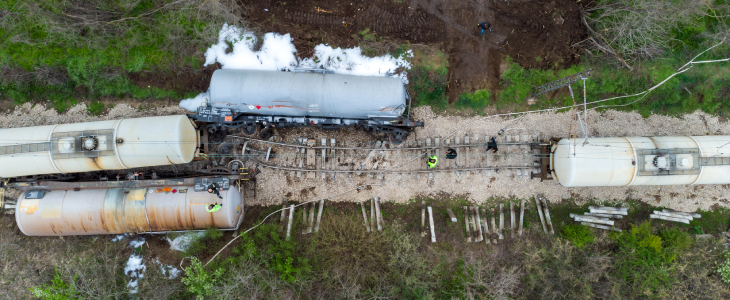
(627, 161)
(115, 211)
(307, 94)
(95, 146)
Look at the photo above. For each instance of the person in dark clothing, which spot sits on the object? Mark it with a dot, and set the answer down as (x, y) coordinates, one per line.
(450, 153)
(484, 26)
(214, 189)
(492, 145)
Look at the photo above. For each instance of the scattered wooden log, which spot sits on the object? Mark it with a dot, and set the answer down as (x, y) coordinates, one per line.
(665, 218)
(494, 227)
(486, 227)
(475, 224)
(319, 215)
(501, 221)
(547, 215)
(365, 216)
(600, 226)
(451, 215)
(512, 220)
(590, 219)
(372, 214)
(693, 215)
(304, 218)
(522, 215)
(378, 214)
(539, 212)
(466, 223)
(312, 208)
(291, 220)
(673, 215)
(604, 215)
(608, 210)
(423, 218)
(430, 222)
(283, 215)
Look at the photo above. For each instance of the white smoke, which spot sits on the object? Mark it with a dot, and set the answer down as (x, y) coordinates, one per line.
(192, 104)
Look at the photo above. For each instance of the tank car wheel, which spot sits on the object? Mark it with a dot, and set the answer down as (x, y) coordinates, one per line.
(225, 149)
(266, 133)
(248, 129)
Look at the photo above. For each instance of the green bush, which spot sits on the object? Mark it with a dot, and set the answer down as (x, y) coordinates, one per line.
(198, 281)
(578, 234)
(429, 88)
(642, 262)
(95, 108)
(58, 289)
(477, 101)
(724, 269)
(265, 243)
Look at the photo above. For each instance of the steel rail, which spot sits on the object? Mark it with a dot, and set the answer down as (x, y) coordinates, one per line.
(391, 171)
(382, 149)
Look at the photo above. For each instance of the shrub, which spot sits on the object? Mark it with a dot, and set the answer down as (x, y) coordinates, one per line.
(477, 101)
(724, 269)
(266, 244)
(200, 282)
(95, 108)
(578, 234)
(58, 289)
(642, 262)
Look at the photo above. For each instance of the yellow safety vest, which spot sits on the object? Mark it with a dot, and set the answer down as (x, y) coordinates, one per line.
(432, 164)
(215, 208)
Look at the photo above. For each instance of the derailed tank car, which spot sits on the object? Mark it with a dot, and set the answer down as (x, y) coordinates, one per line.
(151, 206)
(96, 146)
(624, 161)
(249, 99)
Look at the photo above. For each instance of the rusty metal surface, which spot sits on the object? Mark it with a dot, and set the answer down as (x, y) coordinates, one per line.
(126, 210)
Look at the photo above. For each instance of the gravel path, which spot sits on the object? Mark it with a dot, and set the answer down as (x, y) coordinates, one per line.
(478, 187)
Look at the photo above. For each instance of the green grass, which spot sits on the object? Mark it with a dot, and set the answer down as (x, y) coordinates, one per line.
(578, 234)
(704, 87)
(429, 79)
(70, 59)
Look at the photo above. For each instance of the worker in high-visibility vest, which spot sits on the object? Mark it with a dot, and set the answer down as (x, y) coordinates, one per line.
(432, 161)
(214, 207)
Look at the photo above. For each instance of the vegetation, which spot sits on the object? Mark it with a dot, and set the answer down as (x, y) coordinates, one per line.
(429, 78)
(64, 51)
(578, 234)
(57, 290)
(704, 87)
(648, 260)
(724, 269)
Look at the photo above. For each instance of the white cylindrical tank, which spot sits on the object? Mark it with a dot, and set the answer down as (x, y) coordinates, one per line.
(116, 211)
(94, 146)
(626, 161)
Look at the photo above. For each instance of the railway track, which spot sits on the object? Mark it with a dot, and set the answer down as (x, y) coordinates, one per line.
(518, 156)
